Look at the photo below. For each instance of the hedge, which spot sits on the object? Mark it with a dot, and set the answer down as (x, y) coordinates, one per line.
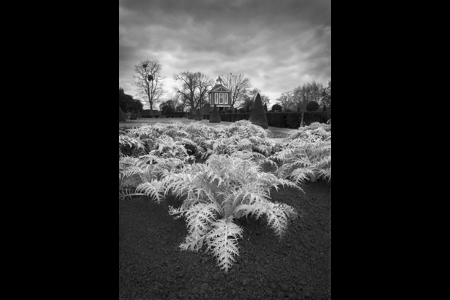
(146, 114)
(283, 119)
(234, 117)
(175, 115)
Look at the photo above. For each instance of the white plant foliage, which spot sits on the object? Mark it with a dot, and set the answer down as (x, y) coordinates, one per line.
(222, 241)
(219, 191)
(306, 154)
(230, 184)
(141, 176)
(130, 142)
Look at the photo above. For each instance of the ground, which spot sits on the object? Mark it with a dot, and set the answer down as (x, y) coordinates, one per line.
(151, 266)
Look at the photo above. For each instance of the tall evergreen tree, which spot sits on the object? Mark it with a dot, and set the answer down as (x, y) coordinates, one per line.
(258, 115)
(121, 115)
(215, 116)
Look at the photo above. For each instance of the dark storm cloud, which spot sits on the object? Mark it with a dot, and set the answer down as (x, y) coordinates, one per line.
(277, 44)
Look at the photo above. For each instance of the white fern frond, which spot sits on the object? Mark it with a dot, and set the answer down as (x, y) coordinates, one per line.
(199, 218)
(222, 242)
(152, 189)
(256, 209)
(128, 193)
(278, 216)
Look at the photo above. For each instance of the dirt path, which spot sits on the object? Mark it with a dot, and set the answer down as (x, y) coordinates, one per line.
(299, 267)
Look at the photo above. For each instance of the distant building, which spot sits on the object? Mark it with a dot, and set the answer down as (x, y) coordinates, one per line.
(220, 96)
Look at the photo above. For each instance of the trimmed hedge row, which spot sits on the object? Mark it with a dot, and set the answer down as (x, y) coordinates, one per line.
(283, 119)
(275, 119)
(175, 115)
(234, 117)
(293, 119)
(146, 114)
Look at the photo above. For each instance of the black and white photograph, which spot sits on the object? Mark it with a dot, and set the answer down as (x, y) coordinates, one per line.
(224, 149)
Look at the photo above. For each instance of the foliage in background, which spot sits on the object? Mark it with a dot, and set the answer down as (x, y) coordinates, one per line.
(312, 106)
(276, 107)
(128, 104)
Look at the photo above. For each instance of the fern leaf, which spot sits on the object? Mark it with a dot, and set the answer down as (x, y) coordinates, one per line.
(277, 217)
(199, 217)
(222, 242)
(128, 193)
(152, 189)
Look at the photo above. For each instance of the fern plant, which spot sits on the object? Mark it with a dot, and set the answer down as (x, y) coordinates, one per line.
(306, 154)
(313, 132)
(129, 145)
(225, 188)
(142, 176)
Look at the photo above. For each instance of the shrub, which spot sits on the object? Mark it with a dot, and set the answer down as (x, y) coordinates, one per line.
(215, 116)
(312, 106)
(121, 115)
(218, 192)
(258, 115)
(133, 116)
(276, 107)
(306, 154)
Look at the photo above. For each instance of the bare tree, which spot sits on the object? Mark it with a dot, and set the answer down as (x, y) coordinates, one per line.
(249, 98)
(286, 100)
(306, 93)
(204, 84)
(148, 81)
(238, 84)
(193, 89)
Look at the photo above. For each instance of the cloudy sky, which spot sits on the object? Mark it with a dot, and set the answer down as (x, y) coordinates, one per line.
(278, 44)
